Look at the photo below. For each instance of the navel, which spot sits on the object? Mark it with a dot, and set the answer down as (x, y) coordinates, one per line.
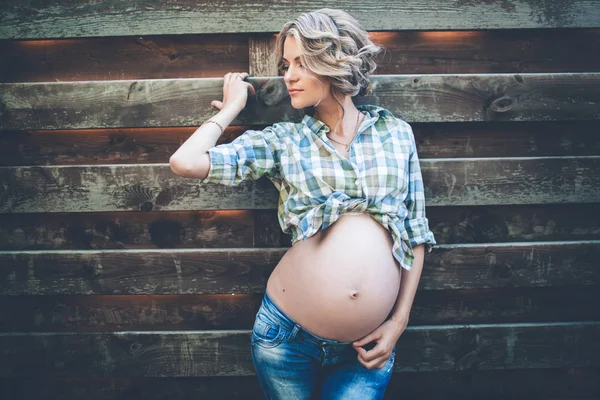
(354, 294)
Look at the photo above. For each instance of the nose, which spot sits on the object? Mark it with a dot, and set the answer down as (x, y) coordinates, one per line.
(289, 76)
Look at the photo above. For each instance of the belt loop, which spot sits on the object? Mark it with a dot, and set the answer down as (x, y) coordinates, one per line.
(295, 331)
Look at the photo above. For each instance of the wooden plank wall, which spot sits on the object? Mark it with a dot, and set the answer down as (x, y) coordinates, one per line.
(119, 279)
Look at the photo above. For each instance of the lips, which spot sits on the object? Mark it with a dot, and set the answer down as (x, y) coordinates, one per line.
(294, 90)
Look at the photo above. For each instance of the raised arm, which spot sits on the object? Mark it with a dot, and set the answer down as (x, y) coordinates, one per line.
(192, 159)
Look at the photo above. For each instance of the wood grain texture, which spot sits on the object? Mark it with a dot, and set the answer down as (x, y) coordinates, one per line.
(533, 384)
(206, 56)
(128, 230)
(246, 271)
(107, 313)
(80, 18)
(234, 229)
(154, 187)
(521, 223)
(186, 102)
(262, 60)
(147, 57)
(227, 353)
(156, 145)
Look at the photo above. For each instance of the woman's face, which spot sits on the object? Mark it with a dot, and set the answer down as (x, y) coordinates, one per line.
(310, 92)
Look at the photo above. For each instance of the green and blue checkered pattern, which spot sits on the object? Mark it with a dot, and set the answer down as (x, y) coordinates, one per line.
(317, 185)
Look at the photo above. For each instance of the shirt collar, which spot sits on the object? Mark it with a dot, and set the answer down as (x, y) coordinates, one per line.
(373, 113)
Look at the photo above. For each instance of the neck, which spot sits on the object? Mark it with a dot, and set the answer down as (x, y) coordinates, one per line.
(330, 113)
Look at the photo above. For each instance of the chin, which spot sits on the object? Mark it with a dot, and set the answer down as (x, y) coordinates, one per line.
(298, 105)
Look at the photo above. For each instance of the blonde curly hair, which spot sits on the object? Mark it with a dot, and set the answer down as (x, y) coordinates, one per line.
(333, 44)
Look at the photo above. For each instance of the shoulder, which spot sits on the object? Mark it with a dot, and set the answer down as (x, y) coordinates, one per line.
(271, 133)
(403, 128)
(283, 129)
(388, 123)
(386, 120)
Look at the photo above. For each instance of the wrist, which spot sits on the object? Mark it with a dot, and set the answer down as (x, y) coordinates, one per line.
(400, 320)
(226, 116)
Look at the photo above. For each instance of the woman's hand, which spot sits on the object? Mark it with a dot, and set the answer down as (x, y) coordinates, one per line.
(235, 92)
(386, 335)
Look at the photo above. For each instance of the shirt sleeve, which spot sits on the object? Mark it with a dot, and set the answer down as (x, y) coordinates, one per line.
(416, 223)
(251, 155)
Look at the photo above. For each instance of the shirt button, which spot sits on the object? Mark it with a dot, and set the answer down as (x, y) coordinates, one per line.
(356, 182)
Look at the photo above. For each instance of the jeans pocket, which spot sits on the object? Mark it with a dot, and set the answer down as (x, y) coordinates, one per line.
(266, 331)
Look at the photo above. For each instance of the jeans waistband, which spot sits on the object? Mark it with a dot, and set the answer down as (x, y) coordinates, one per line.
(289, 324)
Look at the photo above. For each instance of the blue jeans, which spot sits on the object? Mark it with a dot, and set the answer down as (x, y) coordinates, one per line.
(293, 364)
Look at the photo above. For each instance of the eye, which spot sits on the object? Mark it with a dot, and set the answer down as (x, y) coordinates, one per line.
(285, 68)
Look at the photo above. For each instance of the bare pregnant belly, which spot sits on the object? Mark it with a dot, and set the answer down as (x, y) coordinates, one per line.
(340, 283)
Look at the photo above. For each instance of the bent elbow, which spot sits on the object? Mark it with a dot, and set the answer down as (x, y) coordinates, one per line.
(177, 166)
(189, 170)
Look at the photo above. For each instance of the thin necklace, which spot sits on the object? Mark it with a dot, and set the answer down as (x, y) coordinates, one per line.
(355, 131)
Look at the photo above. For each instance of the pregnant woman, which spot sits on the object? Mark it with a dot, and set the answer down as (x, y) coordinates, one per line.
(351, 195)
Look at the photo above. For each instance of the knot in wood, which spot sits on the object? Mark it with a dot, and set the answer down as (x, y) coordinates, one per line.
(503, 104)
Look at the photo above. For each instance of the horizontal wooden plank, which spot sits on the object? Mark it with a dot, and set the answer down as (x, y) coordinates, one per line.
(129, 230)
(149, 57)
(154, 187)
(233, 228)
(246, 271)
(486, 181)
(209, 56)
(107, 313)
(532, 384)
(539, 222)
(82, 18)
(186, 102)
(227, 353)
(156, 145)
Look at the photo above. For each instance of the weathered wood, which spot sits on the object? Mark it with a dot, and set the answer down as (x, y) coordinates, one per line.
(504, 305)
(262, 59)
(154, 187)
(246, 271)
(156, 145)
(206, 56)
(267, 231)
(539, 222)
(532, 384)
(186, 102)
(128, 230)
(105, 146)
(106, 313)
(506, 139)
(233, 229)
(80, 18)
(487, 181)
(143, 187)
(227, 353)
(486, 51)
(182, 56)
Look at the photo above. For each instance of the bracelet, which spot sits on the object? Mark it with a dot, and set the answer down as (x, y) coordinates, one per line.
(215, 122)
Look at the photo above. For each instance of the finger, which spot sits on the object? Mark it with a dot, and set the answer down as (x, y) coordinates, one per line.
(367, 339)
(376, 363)
(216, 104)
(364, 363)
(251, 88)
(364, 354)
(372, 354)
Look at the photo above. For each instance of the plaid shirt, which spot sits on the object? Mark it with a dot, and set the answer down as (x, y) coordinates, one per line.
(382, 176)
